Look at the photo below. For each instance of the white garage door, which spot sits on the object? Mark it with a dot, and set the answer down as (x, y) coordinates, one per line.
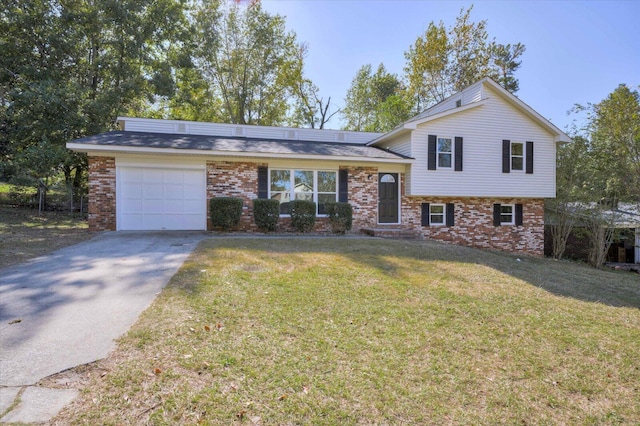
(158, 199)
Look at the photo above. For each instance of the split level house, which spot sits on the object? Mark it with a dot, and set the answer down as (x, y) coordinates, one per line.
(472, 170)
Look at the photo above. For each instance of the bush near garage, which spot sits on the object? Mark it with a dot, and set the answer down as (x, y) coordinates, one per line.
(225, 212)
(303, 215)
(340, 217)
(266, 213)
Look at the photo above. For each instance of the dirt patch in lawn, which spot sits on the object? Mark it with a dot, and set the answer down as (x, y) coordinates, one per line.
(25, 234)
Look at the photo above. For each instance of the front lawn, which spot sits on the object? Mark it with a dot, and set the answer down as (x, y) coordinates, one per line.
(25, 234)
(340, 331)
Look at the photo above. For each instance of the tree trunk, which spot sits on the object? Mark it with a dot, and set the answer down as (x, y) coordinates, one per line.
(561, 230)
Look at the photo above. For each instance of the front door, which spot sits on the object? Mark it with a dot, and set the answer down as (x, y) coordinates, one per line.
(388, 198)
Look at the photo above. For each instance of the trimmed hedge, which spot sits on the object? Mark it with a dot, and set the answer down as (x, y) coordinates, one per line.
(225, 212)
(340, 217)
(303, 215)
(266, 213)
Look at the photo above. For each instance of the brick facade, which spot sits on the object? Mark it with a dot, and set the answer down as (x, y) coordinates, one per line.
(363, 196)
(473, 216)
(473, 224)
(102, 193)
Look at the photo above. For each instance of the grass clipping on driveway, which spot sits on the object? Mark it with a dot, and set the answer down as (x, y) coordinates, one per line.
(365, 331)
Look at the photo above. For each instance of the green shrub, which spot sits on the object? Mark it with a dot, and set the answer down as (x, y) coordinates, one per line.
(225, 212)
(303, 215)
(340, 217)
(266, 213)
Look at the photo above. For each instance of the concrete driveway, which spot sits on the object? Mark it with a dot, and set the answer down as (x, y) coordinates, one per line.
(65, 309)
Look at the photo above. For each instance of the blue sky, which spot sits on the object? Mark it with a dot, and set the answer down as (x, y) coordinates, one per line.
(577, 51)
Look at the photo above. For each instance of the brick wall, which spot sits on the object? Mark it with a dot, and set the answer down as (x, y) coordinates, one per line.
(473, 216)
(240, 179)
(473, 224)
(363, 196)
(102, 194)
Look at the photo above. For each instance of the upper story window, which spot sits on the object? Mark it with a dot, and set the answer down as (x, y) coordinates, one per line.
(320, 187)
(517, 156)
(445, 152)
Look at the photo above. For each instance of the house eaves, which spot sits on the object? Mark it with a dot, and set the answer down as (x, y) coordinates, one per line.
(412, 124)
(559, 135)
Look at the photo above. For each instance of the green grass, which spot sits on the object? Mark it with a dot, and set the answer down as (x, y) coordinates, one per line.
(25, 234)
(5, 187)
(365, 331)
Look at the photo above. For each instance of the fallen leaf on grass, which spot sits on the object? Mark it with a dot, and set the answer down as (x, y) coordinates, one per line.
(207, 328)
(157, 371)
(15, 321)
(282, 397)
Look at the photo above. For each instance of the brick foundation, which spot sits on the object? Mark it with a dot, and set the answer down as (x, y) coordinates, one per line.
(473, 224)
(102, 194)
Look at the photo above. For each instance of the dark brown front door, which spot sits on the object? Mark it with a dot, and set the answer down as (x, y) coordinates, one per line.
(388, 198)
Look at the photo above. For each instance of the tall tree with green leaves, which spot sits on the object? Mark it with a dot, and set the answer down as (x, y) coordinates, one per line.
(375, 102)
(247, 58)
(598, 170)
(614, 125)
(70, 67)
(444, 61)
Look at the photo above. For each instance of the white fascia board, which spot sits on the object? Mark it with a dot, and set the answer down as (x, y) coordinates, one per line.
(412, 125)
(172, 151)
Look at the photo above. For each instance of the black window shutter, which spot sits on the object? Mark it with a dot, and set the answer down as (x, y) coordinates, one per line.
(518, 214)
(263, 182)
(450, 213)
(425, 214)
(529, 157)
(458, 154)
(496, 215)
(343, 185)
(431, 161)
(506, 156)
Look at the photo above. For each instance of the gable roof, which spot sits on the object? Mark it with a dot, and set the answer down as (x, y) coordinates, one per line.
(147, 142)
(436, 112)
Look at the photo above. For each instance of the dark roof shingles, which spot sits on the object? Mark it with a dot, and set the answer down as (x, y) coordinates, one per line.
(237, 144)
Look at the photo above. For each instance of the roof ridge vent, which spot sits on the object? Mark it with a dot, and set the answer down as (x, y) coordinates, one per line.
(238, 131)
(341, 137)
(292, 134)
(181, 128)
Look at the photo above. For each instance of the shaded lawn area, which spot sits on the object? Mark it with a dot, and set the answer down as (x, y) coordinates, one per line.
(278, 331)
(24, 234)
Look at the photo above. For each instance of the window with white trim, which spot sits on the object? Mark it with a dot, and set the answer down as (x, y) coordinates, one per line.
(319, 186)
(517, 156)
(444, 152)
(437, 214)
(507, 214)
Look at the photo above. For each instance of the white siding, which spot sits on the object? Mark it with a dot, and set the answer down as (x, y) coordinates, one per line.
(401, 145)
(469, 95)
(483, 130)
